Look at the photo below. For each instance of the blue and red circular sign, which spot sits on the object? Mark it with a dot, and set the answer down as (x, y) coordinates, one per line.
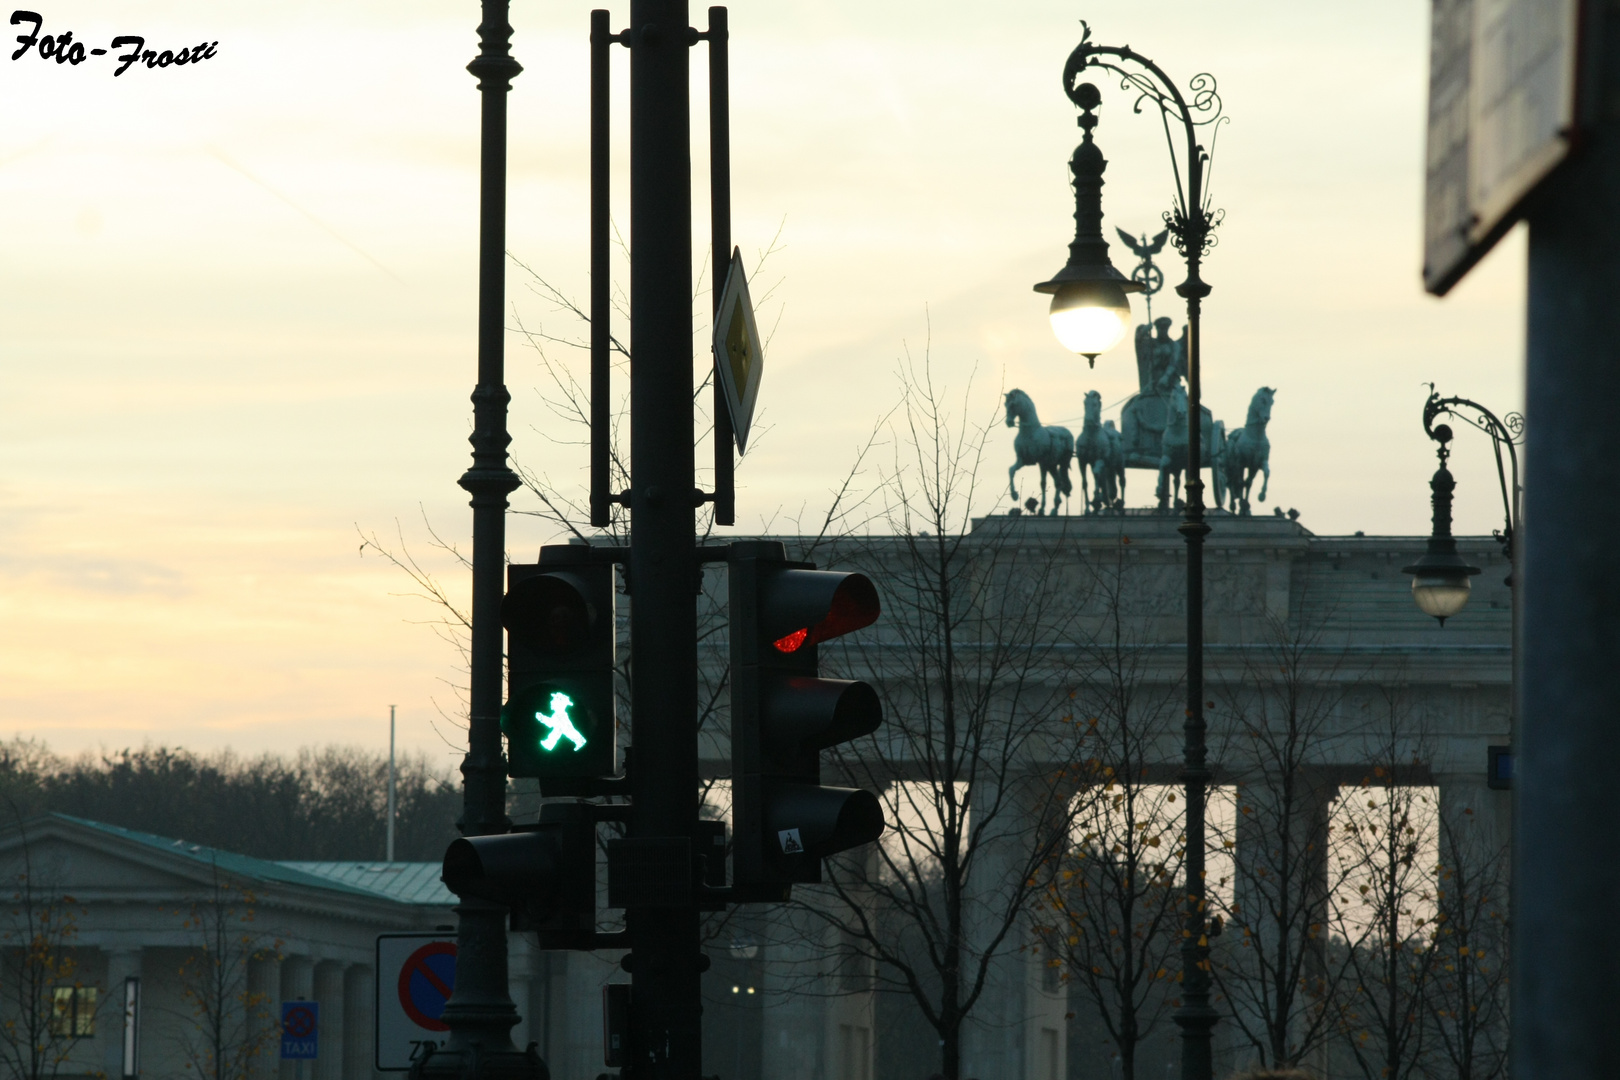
(298, 1021)
(425, 981)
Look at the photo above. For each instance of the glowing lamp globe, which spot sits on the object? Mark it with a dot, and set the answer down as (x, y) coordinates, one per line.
(1440, 583)
(1090, 317)
(1440, 595)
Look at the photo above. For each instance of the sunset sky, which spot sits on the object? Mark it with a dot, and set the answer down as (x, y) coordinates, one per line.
(237, 318)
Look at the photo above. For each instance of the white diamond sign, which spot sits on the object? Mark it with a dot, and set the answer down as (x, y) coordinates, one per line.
(739, 358)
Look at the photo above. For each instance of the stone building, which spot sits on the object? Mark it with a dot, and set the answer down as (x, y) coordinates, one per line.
(296, 931)
(1348, 608)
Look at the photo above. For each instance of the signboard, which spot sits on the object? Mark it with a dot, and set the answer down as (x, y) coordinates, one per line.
(415, 975)
(1502, 112)
(300, 1030)
(739, 355)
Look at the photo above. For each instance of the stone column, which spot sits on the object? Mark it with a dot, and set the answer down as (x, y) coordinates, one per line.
(1475, 816)
(520, 963)
(329, 993)
(1004, 1029)
(264, 991)
(792, 1023)
(122, 964)
(359, 1021)
(1267, 815)
(297, 984)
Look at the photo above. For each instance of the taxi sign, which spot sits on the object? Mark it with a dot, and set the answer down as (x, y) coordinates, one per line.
(739, 356)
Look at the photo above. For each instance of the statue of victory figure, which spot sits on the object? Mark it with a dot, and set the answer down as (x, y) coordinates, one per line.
(1161, 361)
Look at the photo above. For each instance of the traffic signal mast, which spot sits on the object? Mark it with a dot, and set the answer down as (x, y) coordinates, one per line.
(783, 714)
(558, 719)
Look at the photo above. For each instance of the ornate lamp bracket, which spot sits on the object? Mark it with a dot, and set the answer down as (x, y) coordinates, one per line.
(1505, 432)
(1192, 221)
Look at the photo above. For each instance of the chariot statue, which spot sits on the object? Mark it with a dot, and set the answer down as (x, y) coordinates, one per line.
(1153, 426)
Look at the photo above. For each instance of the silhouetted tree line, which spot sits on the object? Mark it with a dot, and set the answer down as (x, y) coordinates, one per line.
(316, 805)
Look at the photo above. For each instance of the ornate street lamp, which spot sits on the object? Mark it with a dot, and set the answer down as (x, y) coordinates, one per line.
(1440, 582)
(1089, 302)
(1090, 311)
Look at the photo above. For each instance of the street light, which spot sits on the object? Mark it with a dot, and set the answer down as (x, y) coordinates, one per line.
(1440, 578)
(1086, 301)
(1090, 310)
(1440, 582)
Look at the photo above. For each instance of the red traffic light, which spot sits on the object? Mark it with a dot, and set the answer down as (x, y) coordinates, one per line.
(831, 604)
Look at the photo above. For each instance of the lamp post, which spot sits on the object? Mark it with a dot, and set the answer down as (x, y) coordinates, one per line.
(1440, 578)
(480, 1013)
(1090, 312)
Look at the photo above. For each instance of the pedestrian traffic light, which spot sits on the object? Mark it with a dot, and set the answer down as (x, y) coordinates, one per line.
(559, 715)
(545, 873)
(783, 714)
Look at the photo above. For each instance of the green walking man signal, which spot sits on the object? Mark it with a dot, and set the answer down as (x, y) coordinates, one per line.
(557, 720)
(559, 712)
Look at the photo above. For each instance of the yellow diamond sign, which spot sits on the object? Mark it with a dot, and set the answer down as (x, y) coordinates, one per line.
(739, 360)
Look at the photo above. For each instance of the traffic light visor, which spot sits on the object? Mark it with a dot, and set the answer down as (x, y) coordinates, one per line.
(819, 821)
(550, 611)
(807, 607)
(508, 868)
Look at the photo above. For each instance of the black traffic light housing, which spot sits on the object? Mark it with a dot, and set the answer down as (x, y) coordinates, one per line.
(559, 717)
(544, 873)
(783, 714)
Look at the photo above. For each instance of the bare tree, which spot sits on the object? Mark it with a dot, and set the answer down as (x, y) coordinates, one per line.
(970, 663)
(226, 1024)
(45, 1003)
(1386, 843)
(1467, 990)
(1111, 915)
(1273, 966)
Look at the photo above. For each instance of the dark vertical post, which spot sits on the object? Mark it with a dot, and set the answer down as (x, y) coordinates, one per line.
(480, 1013)
(725, 486)
(1195, 1017)
(664, 966)
(601, 281)
(1567, 849)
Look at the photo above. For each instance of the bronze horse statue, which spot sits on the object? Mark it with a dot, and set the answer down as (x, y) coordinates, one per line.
(1049, 447)
(1248, 452)
(1098, 446)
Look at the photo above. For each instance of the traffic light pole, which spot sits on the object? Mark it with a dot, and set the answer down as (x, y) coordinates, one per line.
(666, 962)
(480, 1012)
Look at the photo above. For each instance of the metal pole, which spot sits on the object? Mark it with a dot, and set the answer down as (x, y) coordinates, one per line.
(480, 1013)
(1567, 850)
(725, 487)
(601, 281)
(665, 1035)
(391, 783)
(1195, 1017)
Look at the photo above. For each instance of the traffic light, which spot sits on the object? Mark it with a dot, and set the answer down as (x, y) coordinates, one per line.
(545, 873)
(783, 714)
(559, 717)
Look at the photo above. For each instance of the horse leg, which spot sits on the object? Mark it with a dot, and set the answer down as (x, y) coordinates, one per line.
(1042, 510)
(1119, 478)
(1266, 483)
(1012, 479)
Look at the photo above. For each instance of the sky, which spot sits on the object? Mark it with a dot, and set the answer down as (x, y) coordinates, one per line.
(237, 321)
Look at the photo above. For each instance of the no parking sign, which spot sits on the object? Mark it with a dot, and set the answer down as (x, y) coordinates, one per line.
(415, 975)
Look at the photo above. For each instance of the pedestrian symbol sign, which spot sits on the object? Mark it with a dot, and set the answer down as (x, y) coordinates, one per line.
(416, 974)
(739, 357)
(558, 723)
(300, 1030)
